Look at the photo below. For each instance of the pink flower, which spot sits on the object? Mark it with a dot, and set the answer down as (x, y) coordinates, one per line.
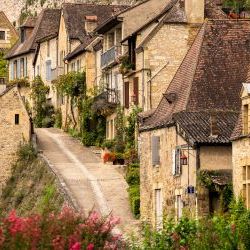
(76, 246)
(90, 246)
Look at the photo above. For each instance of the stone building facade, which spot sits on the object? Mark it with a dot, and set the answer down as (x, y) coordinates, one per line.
(189, 132)
(8, 33)
(241, 149)
(15, 128)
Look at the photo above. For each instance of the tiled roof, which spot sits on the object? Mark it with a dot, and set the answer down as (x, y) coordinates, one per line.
(47, 24)
(237, 132)
(74, 16)
(210, 76)
(198, 127)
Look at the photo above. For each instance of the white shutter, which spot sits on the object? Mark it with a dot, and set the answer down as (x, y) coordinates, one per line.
(155, 149)
(11, 71)
(173, 162)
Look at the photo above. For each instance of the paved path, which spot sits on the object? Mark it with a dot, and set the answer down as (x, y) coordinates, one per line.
(92, 184)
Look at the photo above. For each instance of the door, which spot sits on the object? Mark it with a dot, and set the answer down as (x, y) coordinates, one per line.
(158, 209)
(179, 206)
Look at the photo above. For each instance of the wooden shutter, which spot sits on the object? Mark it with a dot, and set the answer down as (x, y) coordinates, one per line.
(176, 156)
(136, 91)
(155, 149)
(126, 95)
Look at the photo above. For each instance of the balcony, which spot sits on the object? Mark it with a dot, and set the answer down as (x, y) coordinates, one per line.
(56, 72)
(106, 102)
(110, 56)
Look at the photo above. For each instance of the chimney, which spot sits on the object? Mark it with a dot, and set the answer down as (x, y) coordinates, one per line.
(214, 126)
(195, 10)
(90, 23)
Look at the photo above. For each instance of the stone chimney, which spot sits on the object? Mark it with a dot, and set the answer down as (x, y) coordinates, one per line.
(214, 129)
(90, 23)
(195, 10)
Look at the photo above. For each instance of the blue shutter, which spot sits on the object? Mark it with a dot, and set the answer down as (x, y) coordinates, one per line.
(48, 70)
(155, 149)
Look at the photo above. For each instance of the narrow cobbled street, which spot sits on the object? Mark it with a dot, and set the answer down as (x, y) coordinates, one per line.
(92, 184)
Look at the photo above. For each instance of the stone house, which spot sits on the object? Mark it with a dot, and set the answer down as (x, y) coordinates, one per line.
(8, 36)
(15, 128)
(158, 47)
(8, 33)
(241, 149)
(76, 41)
(146, 64)
(189, 132)
(45, 60)
(22, 54)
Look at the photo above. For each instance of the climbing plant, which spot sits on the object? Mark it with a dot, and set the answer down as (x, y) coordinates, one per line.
(72, 86)
(43, 113)
(205, 179)
(3, 66)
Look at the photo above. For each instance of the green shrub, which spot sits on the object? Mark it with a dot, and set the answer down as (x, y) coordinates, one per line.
(58, 118)
(109, 144)
(133, 176)
(27, 152)
(134, 198)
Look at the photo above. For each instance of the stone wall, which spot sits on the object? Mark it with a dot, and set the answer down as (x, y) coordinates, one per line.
(11, 134)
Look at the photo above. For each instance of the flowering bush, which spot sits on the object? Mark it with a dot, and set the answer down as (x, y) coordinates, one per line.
(108, 157)
(65, 230)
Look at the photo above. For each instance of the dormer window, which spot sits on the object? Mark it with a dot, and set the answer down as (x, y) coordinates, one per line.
(2, 35)
(22, 35)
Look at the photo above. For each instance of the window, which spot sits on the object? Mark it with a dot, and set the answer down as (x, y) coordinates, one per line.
(136, 91)
(245, 119)
(22, 68)
(176, 167)
(158, 209)
(48, 48)
(22, 35)
(78, 66)
(179, 206)
(155, 149)
(73, 66)
(246, 185)
(111, 40)
(15, 70)
(2, 35)
(16, 119)
(126, 95)
(48, 70)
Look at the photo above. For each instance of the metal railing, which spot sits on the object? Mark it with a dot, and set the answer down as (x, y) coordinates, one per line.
(110, 56)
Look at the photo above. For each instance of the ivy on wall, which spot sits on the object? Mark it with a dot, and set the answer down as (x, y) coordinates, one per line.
(43, 112)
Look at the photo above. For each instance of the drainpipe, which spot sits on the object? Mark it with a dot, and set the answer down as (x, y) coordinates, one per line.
(143, 79)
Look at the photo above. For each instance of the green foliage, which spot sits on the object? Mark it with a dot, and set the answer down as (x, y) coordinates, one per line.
(21, 82)
(72, 84)
(225, 232)
(44, 113)
(133, 176)
(109, 144)
(120, 129)
(32, 187)
(134, 199)
(3, 66)
(27, 152)
(126, 65)
(58, 118)
(92, 124)
(236, 5)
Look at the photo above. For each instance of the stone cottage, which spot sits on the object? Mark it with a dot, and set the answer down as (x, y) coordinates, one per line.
(8, 36)
(15, 128)
(241, 149)
(136, 64)
(45, 60)
(188, 134)
(157, 48)
(77, 23)
(21, 56)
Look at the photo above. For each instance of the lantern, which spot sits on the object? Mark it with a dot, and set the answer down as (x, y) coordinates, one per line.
(184, 159)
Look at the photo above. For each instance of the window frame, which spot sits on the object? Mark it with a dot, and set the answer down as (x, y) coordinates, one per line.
(4, 33)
